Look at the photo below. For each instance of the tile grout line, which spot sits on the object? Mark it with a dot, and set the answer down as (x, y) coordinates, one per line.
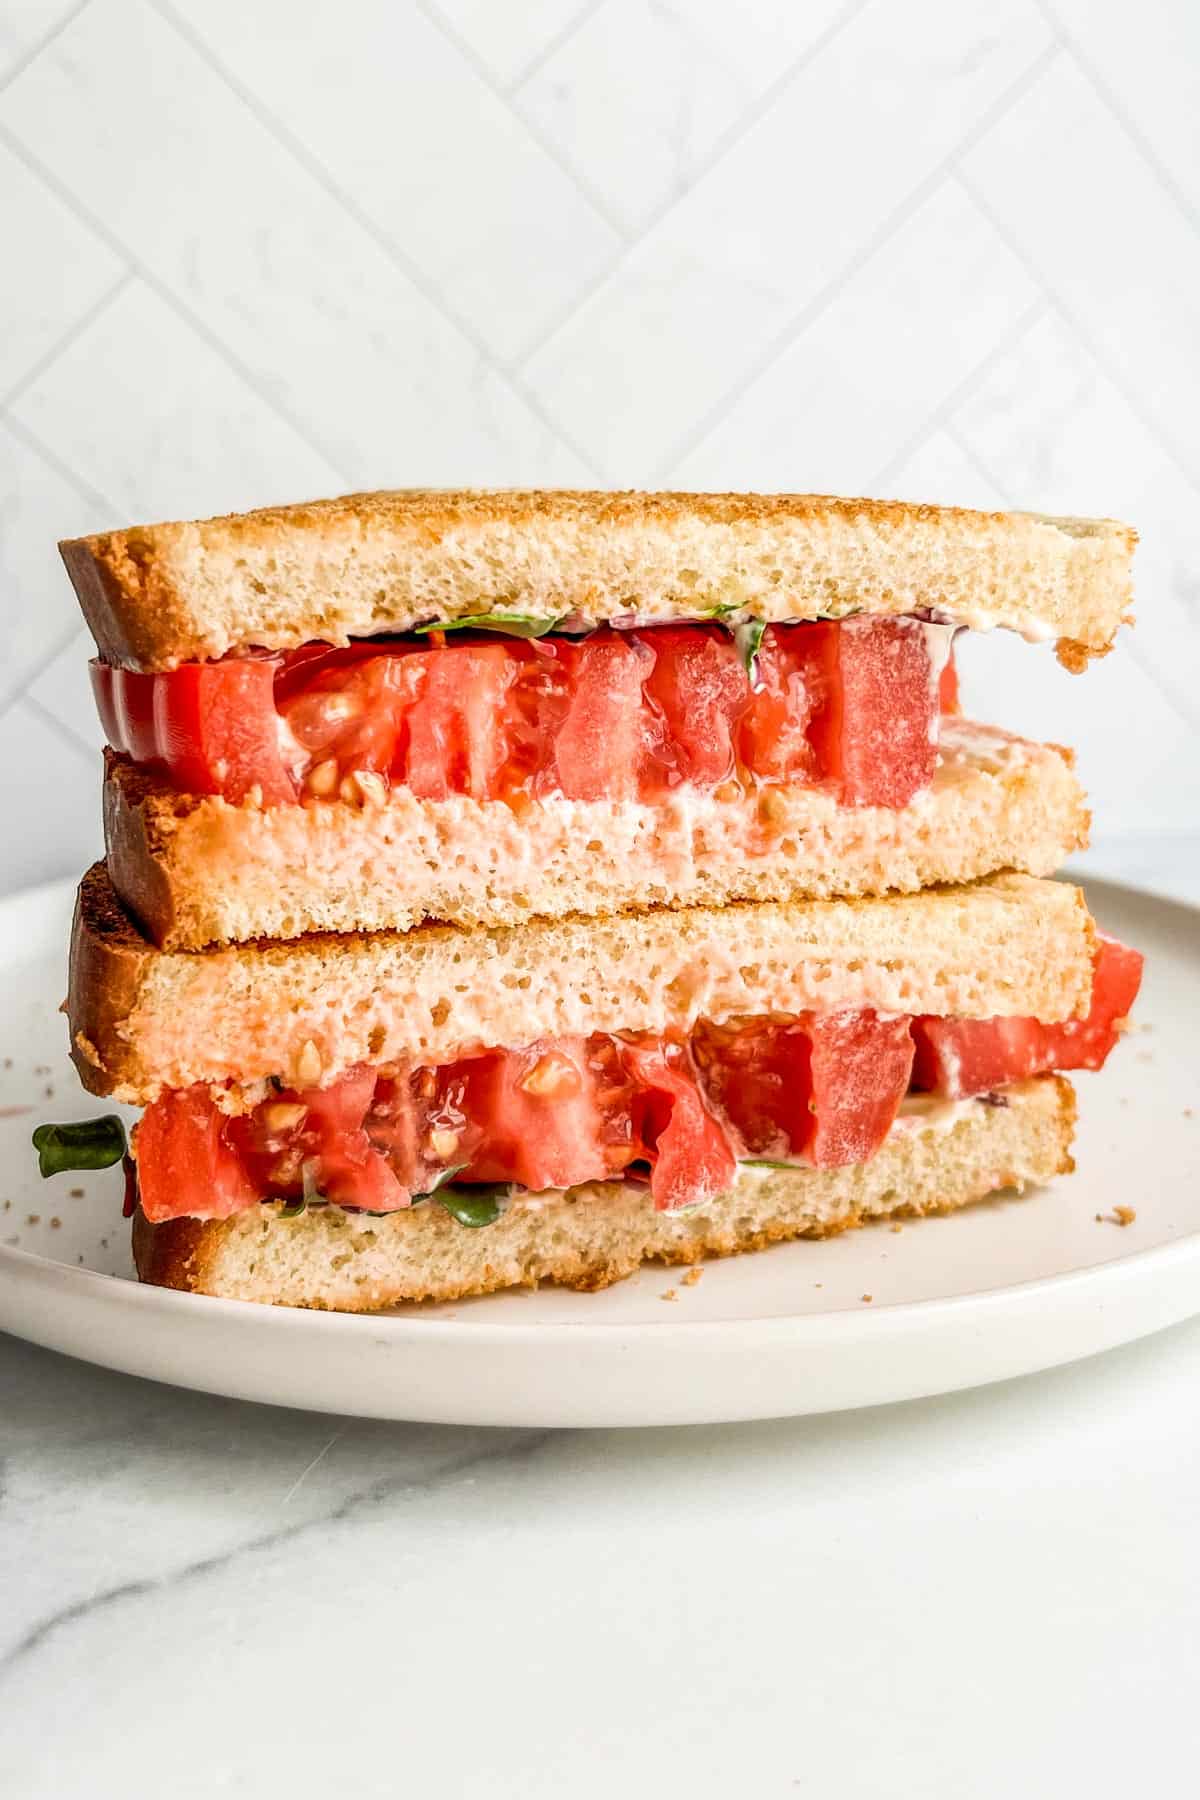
(39, 668)
(1141, 144)
(727, 142)
(31, 55)
(55, 724)
(1080, 331)
(551, 47)
(51, 458)
(159, 287)
(412, 271)
(1007, 341)
(1179, 703)
(912, 203)
(63, 344)
(549, 149)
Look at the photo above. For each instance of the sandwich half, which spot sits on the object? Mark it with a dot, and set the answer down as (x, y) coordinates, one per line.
(348, 1122)
(487, 707)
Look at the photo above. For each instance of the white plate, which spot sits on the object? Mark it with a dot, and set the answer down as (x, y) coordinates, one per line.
(998, 1290)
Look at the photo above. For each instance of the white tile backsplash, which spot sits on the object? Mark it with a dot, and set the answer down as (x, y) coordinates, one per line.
(936, 251)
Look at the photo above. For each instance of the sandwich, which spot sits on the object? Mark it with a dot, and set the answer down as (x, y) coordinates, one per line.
(348, 1122)
(488, 707)
(511, 887)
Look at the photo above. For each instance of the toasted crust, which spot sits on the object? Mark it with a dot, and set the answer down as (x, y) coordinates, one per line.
(158, 595)
(143, 1019)
(589, 1237)
(197, 871)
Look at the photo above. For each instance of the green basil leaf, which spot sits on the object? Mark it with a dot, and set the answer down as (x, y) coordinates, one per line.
(446, 1176)
(510, 624)
(292, 1209)
(748, 642)
(758, 1162)
(91, 1144)
(473, 1206)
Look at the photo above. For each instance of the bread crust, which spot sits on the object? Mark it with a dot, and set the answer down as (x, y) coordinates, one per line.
(589, 1237)
(195, 871)
(143, 1019)
(158, 595)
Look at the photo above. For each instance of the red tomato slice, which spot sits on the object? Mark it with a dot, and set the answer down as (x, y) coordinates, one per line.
(349, 1169)
(532, 1116)
(691, 1158)
(218, 731)
(757, 1074)
(793, 675)
(600, 746)
(876, 736)
(948, 697)
(457, 743)
(825, 1086)
(957, 1057)
(185, 1165)
(699, 689)
(860, 1072)
(352, 711)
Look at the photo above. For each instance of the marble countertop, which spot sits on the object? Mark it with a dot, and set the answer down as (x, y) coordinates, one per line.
(987, 1594)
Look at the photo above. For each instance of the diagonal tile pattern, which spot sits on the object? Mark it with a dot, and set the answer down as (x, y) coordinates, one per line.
(936, 251)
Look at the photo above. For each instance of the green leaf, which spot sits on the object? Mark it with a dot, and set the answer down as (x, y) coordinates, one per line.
(473, 1206)
(510, 624)
(447, 1175)
(291, 1209)
(721, 611)
(758, 1162)
(91, 1144)
(748, 642)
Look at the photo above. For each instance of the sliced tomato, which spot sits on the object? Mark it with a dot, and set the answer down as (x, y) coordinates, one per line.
(957, 1057)
(349, 1169)
(878, 736)
(214, 725)
(691, 1157)
(860, 1073)
(948, 696)
(352, 710)
(185, 1165)
(457, 743)
(699, 690)
(757, 1075)
(823, 1086)
(794, 670)
(531, 1116)
(600, 747)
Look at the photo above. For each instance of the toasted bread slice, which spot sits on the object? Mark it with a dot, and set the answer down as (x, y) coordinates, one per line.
(158, 595)
(144, 1019)
(587, 1237)
(196, 871)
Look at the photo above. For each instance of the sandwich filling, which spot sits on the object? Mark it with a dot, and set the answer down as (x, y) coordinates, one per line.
(679, 1111)
(852, 707)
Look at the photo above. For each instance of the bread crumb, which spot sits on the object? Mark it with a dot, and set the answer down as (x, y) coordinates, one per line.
(75, 1193)
(1189, 1112)
(897, 1228)
(669, 1295)
(1125, 1215)
(8, 1206)
(692, 1277)
(868, 1298)
(34, 1219)
(55, 1224)
(49, 1093)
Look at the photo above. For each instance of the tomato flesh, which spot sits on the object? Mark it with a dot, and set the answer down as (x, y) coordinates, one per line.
(958, 1057)
(616, 715)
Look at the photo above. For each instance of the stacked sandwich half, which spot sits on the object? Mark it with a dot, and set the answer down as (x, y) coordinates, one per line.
(505, 887)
